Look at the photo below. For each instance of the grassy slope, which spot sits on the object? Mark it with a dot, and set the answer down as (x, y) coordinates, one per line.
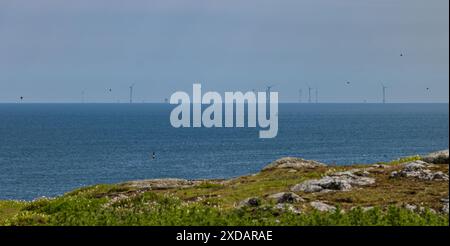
(8, 209)
(214, 203)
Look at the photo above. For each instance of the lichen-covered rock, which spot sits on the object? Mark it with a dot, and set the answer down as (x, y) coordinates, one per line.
(439, 157)
(415, 166)
(361, 172)
(293, 163)
(286, 197)
(440, 176)
(355, 177)
(309, 186)
(324, 184)
(417, 169)
(341, 181)
(323, 207)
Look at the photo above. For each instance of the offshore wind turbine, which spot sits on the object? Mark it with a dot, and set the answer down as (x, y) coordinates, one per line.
(109, 91)
(309, 94)
(384, 92)
(131, 93)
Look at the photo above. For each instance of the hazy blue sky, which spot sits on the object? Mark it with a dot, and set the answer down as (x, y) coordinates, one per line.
(52, 50)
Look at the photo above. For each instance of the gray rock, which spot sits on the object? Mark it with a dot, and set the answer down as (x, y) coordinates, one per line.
(417, 169)
(440, 176)
(439, 157)
(411, 207)
(332, 183)
(354, 173)
(324, 184)
(355, 177)
(286, 197)
(341, 181)
(415, 166)
(293, 163)
(320, 206)
(307, 186)
(250, 202)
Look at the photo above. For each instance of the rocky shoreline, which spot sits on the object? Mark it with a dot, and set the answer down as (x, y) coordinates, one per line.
(332, 181)
(344, 181)
(286, 187)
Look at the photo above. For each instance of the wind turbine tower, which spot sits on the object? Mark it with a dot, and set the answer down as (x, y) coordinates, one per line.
(309, 94)
(131, 93)
(384, 93)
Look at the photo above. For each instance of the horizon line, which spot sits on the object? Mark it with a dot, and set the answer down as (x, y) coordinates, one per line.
(306, 103)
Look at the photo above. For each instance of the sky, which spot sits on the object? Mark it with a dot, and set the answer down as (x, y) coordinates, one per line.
(53, 50)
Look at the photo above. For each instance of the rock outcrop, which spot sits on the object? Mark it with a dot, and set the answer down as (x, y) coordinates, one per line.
(418, 169)
(293, 163)
(322, 207)
(439, 157)
(340, 181)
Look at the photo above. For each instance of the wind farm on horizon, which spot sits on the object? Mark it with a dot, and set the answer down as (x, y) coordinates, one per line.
(310, 97)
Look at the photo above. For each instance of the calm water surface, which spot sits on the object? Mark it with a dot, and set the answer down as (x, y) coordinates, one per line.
(49, 149)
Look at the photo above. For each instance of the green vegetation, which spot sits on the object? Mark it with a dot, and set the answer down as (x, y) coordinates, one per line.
(403, 160)
(154, 209)
(215, 202)
(9, 209)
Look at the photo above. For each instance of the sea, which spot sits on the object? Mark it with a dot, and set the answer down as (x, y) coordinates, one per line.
(49, 149)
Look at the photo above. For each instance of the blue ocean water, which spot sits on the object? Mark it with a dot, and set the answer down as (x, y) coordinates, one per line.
(49, 149)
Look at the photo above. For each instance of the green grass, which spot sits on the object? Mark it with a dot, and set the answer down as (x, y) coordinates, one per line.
(155, 209)
(402, 160)
(9, 209)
